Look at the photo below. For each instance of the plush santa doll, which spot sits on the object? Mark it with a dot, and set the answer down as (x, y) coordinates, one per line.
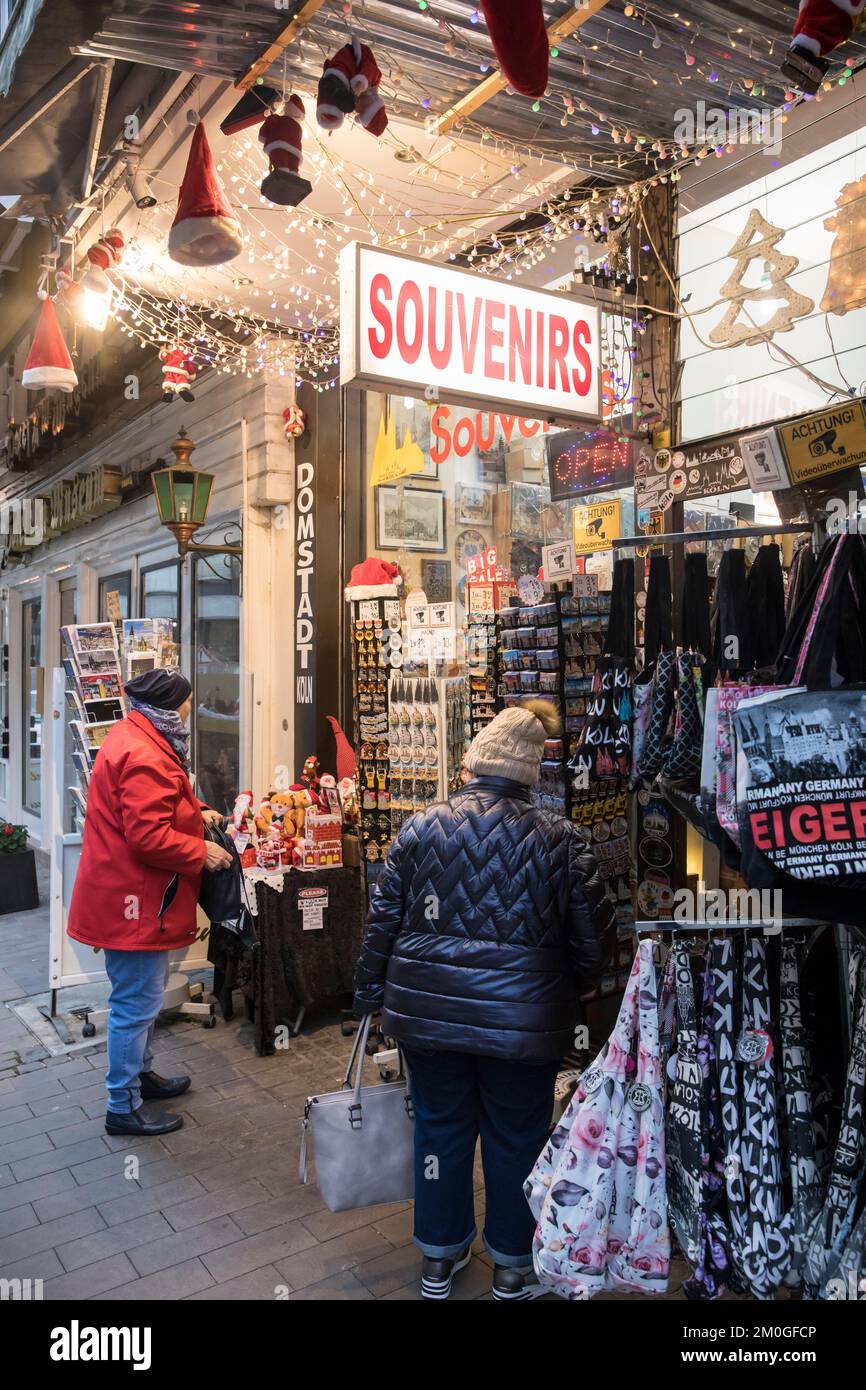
(350, 82)
(294, 422)
(178, 371)
(281, 136)
(103, 256)
(821, 26)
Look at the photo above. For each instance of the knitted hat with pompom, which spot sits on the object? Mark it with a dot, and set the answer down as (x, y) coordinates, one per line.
(511, 745)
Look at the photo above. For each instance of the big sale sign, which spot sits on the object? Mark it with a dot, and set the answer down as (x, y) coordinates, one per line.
(418, 329)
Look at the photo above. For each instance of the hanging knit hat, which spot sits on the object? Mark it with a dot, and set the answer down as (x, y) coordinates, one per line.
(165, 687)
(511, 745)
(48, 366)
(205, 231)
(520, 42)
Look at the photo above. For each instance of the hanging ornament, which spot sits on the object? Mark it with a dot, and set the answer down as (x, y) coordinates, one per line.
(251, 110)
(521, 43)
(821, 26)
(728, 331)
(350, 82)
(178, 371)
(48, 366)
(103, 256)
(281, 137)
(205, 230)
(294, 421)
(846, 272)
(70, 295)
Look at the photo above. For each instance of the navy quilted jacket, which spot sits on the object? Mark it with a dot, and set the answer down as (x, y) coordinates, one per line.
(486, 924)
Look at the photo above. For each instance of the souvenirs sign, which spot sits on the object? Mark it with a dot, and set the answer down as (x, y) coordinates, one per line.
(825, 442)
(451, 335)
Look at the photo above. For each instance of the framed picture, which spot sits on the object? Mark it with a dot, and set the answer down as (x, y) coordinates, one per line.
(436, 580)
(491, 464)
(410, 519)
(474, 506)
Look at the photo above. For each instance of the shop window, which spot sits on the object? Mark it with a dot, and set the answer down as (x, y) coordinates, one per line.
(4, 698)
(443, 488)
(120, 584)
(31, 705)
(216, 676)
(160, 593)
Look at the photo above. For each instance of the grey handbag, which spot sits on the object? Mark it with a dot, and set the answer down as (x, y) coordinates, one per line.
(363, 1138)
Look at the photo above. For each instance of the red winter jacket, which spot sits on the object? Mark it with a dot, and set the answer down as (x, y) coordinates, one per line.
(144, 849)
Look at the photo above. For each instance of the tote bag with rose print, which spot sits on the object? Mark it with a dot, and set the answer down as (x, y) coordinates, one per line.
(597, 1190)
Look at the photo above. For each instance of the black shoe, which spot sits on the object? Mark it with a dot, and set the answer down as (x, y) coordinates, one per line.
(155, 1087)
(516, 1285)
(143, 1123)
(186, 394)
(437, 1275)
(168, 397)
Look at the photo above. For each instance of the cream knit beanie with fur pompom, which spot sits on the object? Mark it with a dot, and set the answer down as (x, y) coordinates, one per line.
(511, 745)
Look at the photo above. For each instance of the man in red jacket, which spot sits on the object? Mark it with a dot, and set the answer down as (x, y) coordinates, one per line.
(137, 884)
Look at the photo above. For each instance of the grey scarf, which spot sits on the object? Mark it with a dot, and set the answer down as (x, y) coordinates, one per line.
(168, 723)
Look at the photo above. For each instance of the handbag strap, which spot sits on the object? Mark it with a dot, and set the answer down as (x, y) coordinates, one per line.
(358, 1047)
(626, 1020)
(648, 1054)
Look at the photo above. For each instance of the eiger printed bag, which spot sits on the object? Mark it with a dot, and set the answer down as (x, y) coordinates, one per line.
(597, 1189)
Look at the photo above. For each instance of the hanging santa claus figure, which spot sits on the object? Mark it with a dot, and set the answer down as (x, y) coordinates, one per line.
(178, 371)
(294, 422)
(350, 82)
(281, 135)
(102, 256)
(821, 26)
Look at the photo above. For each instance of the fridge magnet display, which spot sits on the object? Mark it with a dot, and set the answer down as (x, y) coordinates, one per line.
(410, 519)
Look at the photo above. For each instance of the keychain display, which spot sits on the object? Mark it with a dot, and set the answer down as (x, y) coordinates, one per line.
(372, 647)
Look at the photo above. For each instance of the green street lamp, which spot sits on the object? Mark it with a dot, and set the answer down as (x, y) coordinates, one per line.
(182, 498)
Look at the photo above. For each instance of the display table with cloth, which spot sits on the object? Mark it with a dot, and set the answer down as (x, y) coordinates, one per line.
(309, 925)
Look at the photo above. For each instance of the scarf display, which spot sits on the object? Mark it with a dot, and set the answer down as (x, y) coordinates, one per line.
(168, 723)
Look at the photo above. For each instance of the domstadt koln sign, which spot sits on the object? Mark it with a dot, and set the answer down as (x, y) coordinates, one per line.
(451, 335)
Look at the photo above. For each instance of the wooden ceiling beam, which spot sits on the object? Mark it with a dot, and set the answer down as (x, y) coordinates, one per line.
(497, 82)
(308, 10)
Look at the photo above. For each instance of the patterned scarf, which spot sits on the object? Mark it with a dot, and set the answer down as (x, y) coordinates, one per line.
(168, 723)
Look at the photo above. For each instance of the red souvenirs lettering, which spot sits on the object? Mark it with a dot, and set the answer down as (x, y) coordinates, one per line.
(494, 341)
(478, 431)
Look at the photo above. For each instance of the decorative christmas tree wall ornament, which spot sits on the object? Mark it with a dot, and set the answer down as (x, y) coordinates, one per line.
(281, 137)
(294, 422)
(729, 331)
(48, 366)
(520, 41)
(178, 372)
(821, 26)
(846, 272)
(251, 110)
(205, 230)
(103, 256)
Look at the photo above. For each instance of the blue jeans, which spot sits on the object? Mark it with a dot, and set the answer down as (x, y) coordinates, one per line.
(458, 1097)
(138, 980)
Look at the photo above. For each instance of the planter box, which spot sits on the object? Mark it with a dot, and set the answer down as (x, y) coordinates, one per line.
(18, 889)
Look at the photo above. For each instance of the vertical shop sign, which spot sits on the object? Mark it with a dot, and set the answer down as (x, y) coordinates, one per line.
(305, 584)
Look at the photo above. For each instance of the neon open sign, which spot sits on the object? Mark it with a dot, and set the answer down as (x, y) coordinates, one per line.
(581, 461)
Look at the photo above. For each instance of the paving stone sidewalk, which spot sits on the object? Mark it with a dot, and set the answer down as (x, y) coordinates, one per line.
(214, 1211)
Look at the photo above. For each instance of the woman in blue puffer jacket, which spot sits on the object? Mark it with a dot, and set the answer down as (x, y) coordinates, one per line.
(488, 922)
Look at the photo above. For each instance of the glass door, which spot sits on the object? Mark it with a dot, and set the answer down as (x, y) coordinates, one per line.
(31, 708)
(216, 679)
(68, 617)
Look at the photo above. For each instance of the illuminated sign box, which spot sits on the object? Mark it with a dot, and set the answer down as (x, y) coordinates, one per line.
(413, 328)
(581, 461)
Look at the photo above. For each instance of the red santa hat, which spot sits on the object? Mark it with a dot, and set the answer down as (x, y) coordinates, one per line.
(48, 365)
(374, 578)
(520, 42)
(205, 231)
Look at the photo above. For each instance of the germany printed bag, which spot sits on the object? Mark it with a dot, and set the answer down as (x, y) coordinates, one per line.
(597, 1190)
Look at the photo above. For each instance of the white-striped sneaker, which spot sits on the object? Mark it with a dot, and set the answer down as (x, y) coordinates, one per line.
(516, 1285)
(437, 1275)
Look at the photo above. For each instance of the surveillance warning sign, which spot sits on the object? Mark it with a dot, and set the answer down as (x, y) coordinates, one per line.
(825, 443)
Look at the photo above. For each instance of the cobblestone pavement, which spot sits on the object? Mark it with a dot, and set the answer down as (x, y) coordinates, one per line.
(214, 1211)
